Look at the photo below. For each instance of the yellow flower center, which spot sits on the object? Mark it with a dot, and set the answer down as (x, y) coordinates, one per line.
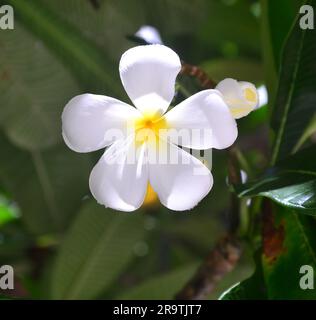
(148, 126)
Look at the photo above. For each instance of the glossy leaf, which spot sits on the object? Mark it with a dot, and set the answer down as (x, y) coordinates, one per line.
(292, 182)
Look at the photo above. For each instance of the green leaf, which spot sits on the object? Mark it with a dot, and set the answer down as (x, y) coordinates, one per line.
(97, 249)
(296, 99)
(46, 190)
(160, 287)
(34, 88)
(90, 65)
(291, 183)
(289, 243)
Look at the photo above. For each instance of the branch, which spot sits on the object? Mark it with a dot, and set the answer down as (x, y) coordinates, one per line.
(205, 81)
(220, 261)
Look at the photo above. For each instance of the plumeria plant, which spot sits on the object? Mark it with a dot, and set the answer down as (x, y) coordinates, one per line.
(157, 150)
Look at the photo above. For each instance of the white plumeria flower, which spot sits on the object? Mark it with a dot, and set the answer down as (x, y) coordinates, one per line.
(241, 97)
(148, 74)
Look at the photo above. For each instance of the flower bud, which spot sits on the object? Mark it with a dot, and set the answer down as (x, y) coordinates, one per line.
(240, 96)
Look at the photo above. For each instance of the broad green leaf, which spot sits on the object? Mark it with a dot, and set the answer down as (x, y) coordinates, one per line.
(161, 287)
(96, 250)
(34, 88)
(289, 243)
(90, 65)
(47, 186)
(296, 99)
(291, 183)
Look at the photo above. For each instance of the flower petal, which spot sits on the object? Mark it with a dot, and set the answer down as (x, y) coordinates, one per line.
(120, 178)
(91, 122)
(180, 184)
(241, 97)
(148, 74)
(202, 121)
(149, 34)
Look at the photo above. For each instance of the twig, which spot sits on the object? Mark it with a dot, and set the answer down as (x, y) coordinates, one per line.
(205, 81)
(220, 261)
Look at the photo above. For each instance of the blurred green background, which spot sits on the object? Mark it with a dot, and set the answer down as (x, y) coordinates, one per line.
(64, 245)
